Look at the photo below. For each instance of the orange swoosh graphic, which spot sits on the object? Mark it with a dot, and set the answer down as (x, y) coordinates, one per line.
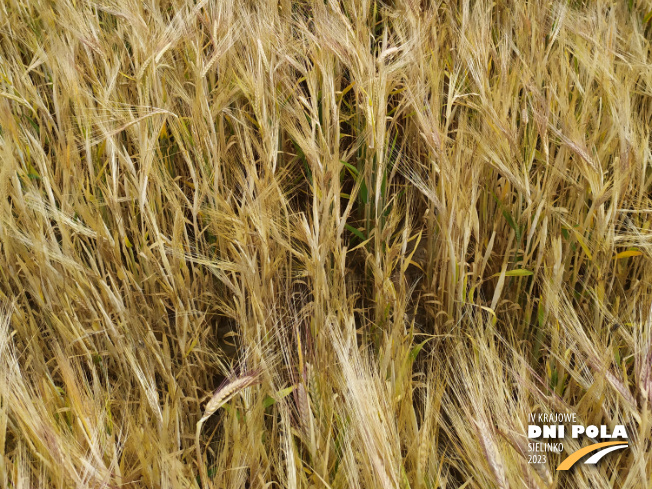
(575, 456)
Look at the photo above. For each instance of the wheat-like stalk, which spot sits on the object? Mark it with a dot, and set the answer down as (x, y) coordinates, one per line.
(490, 452)
(220, 397)
(405, 215)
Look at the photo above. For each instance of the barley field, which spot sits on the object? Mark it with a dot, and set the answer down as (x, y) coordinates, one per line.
(323, 244)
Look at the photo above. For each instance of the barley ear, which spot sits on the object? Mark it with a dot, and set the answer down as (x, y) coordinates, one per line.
(220, 397)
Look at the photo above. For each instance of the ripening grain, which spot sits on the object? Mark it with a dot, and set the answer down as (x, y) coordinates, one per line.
(388, 231)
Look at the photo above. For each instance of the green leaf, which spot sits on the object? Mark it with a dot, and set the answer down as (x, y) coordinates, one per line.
(519, 272)
(647, 17)
(355, 231)
(352, 169)
(268, 401)
(364, 195)
(510, 220)
(415, 351)
(508, 217)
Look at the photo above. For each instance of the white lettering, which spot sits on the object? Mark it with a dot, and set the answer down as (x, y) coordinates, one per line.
(592, 431)
(533, 431)
(577, 430)
(619, 431)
